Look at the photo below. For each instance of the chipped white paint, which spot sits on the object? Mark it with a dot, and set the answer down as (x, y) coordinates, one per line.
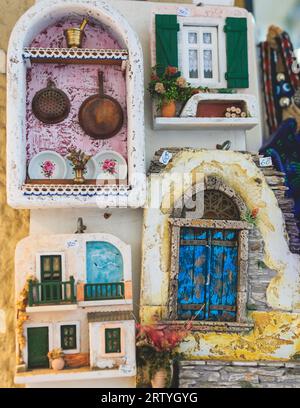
(2, 321)
(30, 24)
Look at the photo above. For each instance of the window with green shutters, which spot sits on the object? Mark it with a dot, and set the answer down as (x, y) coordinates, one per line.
(167, 28)
(68, 337)
(112, 341)
(51, 268)
(237, 75)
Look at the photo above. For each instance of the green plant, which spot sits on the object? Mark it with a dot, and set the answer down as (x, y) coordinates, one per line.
(251, 216)
(169, 87)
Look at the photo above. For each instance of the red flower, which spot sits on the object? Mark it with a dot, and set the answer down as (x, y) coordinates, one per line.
(255, 212)
(109, 166)
(171, 71)
(162, 338)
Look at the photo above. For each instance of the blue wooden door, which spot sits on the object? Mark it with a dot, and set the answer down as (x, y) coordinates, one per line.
(208, 274)
(104, 263)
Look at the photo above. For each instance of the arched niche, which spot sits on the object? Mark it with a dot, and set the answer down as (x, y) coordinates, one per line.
(104, 263)
(31, 24)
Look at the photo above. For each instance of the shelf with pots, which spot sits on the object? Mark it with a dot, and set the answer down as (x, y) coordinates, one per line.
(179, 106)
(76, 174)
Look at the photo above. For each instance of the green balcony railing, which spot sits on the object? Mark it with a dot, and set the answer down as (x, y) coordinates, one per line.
(51, 293)
(104, 291)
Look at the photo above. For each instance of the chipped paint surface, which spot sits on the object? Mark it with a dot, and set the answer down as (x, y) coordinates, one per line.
(275, 337)
(274, 334)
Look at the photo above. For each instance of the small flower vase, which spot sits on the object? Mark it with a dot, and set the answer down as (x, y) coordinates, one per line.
(58, 364)
(159, 379)
(79, 177)
(168, 109)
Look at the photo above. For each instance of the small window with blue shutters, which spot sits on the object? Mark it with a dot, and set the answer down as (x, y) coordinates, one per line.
(209, 263)
(208, 274)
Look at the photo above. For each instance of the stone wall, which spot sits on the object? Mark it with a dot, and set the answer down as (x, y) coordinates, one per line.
(259, 275)
(227, 374)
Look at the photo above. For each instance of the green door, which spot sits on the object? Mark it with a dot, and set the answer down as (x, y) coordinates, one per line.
(38, 347)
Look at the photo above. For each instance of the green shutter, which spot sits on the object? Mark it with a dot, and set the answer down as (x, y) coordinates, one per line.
(112, 341)
(237, 53)
(68, 337)
(166, 42)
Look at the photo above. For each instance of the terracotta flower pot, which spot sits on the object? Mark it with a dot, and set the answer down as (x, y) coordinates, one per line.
(58, 364)
(168, 109)
(159, 379)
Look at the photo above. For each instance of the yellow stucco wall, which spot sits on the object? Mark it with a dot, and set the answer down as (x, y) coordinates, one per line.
(14, 225)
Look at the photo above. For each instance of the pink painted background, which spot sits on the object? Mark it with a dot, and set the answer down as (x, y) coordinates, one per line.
(78, 82)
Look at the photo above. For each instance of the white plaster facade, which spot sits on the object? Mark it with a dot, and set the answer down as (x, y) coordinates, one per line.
(72, 249)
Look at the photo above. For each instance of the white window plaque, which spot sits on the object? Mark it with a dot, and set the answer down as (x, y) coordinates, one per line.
(165, 157)
(126, 369)
(183, 12)
(265, 161)
(73, 243)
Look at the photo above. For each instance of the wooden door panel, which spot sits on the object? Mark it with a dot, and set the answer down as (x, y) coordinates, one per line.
(38, 347)
(208, 274)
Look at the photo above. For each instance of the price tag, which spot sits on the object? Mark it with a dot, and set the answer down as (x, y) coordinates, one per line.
(183, 12)
(73, 243)
(165, 157)
(265, 162)
(126, 369)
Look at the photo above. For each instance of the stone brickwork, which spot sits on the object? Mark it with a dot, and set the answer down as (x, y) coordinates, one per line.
(259, 275)
(221, 374)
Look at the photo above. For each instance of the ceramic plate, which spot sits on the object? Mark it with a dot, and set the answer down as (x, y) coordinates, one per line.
(89, 172)
(110, 165)
(47, 165)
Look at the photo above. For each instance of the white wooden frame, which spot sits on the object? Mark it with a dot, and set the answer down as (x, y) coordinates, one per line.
(78, 336)
(116, 325)
(51, 253)
(201, 24)
(36, 19)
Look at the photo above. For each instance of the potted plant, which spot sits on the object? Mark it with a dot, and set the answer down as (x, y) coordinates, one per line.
(157, 348)
(168, 89)
(56, 358)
